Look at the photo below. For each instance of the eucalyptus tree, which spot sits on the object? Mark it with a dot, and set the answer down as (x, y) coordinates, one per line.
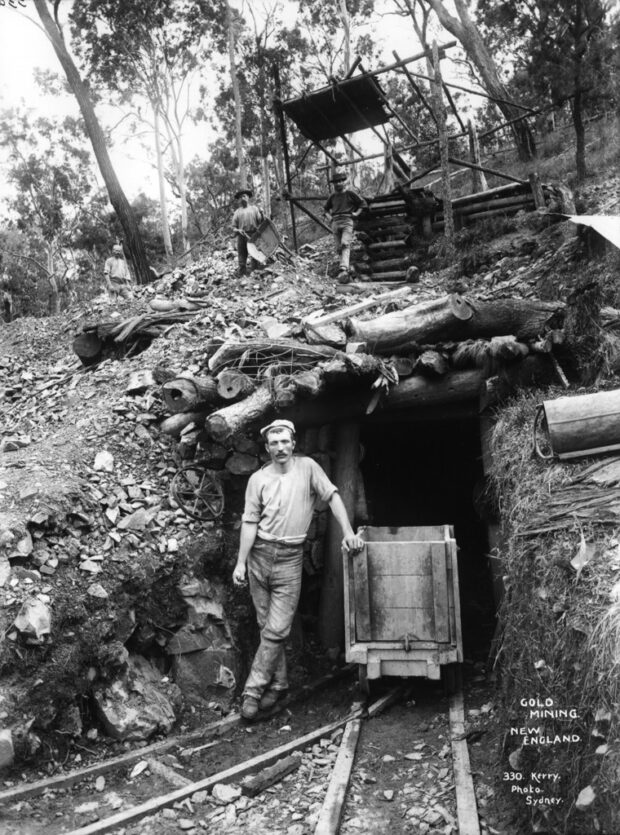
(54, 31)
(48, 167)
(566, 50)
(155, 51)
(464, 28)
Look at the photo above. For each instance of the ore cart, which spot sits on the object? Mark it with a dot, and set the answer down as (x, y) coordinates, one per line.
(402, 612)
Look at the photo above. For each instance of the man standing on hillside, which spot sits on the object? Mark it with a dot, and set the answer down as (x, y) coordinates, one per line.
(116, 273)
(279, 502)
(245, 222)
(342, 207)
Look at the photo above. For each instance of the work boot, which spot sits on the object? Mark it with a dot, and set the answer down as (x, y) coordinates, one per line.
(249, 708)
(269, 698)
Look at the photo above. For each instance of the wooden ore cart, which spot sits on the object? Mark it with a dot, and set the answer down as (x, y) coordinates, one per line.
(402, 612)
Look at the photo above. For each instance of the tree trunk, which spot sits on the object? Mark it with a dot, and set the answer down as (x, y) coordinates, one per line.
(53, 305)
(580, 133)
(478, 180)
(119, 201)
(243, 177)
(466, 31)
(266, 186)
(163, 206)
(453, 318)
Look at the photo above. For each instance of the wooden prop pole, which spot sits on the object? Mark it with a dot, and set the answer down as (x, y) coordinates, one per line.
(284, 142)
(495, 173)
(310, 214)
(331, 609)
(446, 184)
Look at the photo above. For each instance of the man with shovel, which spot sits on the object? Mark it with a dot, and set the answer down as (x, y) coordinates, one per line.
(245, 222)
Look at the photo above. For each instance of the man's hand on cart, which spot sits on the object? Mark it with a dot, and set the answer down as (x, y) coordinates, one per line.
(353, 543)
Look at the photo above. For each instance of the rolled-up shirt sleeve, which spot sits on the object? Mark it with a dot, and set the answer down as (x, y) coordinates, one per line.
(322, 487)
(252, 509)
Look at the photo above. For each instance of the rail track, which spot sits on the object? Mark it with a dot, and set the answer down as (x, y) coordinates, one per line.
(319, 781)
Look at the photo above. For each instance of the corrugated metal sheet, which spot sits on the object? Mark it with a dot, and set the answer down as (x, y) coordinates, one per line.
(333, 111)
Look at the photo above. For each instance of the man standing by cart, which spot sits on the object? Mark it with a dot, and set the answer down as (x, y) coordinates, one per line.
(342, 207)
(279, 502)
(245, 222)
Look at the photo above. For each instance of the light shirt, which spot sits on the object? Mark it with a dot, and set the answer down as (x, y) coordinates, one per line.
(247, 219)
(282, 503)
(116, 268)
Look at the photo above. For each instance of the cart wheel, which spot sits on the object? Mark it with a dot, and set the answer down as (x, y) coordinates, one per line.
(198, 492)
(362, 677)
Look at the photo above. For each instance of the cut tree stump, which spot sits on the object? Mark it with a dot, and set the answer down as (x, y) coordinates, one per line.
(234, 385)
(186, 393)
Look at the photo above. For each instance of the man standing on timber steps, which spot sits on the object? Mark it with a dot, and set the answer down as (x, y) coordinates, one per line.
(279, 502)
(245, 222)
(342, 206)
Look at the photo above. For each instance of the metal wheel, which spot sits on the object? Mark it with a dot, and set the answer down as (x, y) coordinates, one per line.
(198, 492)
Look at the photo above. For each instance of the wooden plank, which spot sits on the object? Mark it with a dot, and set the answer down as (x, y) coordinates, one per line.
(252, 786)
(213, 729)
(420, 533)
(465, 796)
(394, 695)
(362, 599)
(398, 591)
(440, 592)
(408, 558)
(393, 624)
(333, 805)
(261, 761)
(457, 599)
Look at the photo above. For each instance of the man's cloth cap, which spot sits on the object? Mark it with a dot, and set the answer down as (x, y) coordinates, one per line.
(339, 178)
(117, 248)
(243, 191)
(278, 424)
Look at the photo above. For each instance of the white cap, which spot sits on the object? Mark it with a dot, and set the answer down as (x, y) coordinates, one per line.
(278, 424)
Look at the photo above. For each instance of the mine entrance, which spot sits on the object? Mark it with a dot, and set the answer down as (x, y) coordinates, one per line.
(427, 473)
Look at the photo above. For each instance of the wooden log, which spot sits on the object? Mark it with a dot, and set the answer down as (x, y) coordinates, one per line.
(453, 387)
(390, 264)
(386, 245)
(150, 807)
(454, 318)
(346, 468)
(175, 424)
(88, 347)
(218, 728)
(231, 352)
(233, 384)
(498, 192)
(333, 804)
(516, 202)
(251, 786)
(390, 275)
(224, 423)
(431, 364)
(465, 795)
(345, 312)
(537, 192)
(186, 393)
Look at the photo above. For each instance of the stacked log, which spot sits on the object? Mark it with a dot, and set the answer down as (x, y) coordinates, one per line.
(387, 228)
(504, 200)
